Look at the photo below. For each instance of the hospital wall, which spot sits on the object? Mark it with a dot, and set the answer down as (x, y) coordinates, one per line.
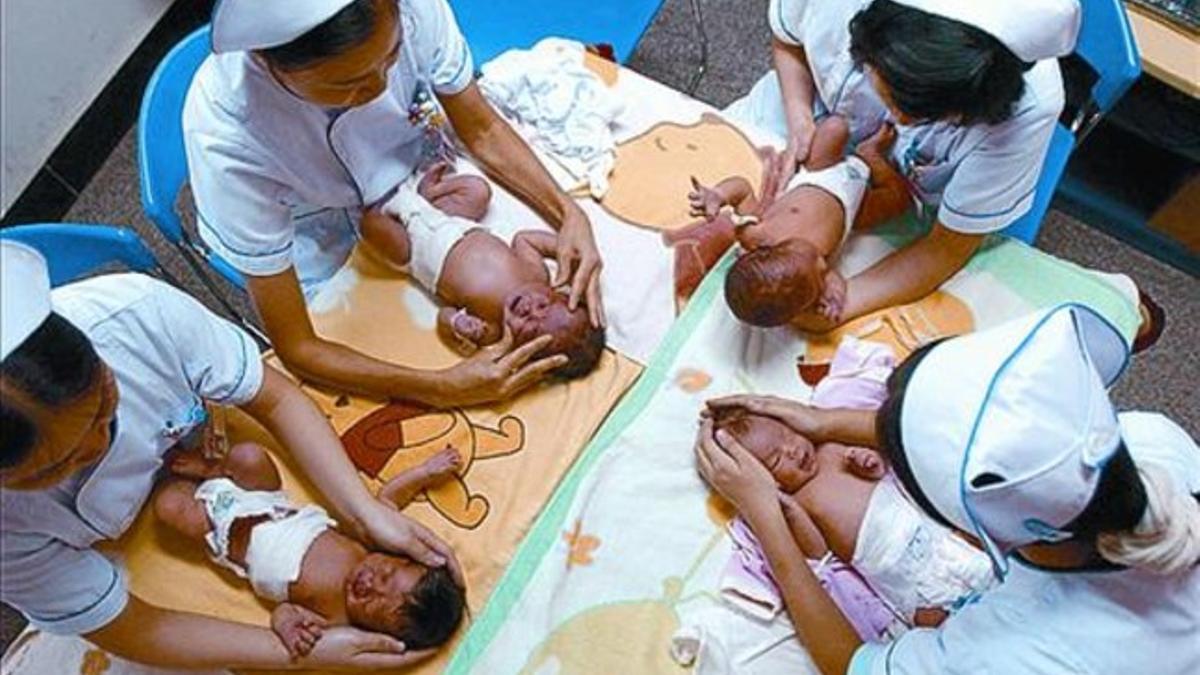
(67, 51)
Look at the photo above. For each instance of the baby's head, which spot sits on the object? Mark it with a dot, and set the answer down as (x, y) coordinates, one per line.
(535, 310)
(769, 285)
(418, 605)
(790, 457)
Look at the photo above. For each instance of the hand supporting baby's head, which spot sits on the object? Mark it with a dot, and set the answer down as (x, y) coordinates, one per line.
(790, 457)
(418, 605)
(536, 310)
(770, 285)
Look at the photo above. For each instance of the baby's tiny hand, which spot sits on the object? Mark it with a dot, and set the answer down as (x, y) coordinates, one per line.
(444, 464)
(704, 201)
(833, 297)
(864, 463)
(470, 329)
(298, 627)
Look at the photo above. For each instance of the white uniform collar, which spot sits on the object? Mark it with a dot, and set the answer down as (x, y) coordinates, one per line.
(24, 294)
(1007, 430)
(1031, 29)
(244, 25)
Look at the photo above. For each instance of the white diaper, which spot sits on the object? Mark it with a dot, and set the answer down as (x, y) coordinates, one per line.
(431, 232)
(847, 181)
(912, 561)
(276, 547)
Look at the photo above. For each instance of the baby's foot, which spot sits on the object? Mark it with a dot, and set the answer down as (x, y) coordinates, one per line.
(879, 144)
(443, 465)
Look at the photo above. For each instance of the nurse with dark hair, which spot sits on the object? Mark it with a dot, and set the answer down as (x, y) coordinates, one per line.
(99, 380)
(973, 89)
(1091, 517)
(305, 118)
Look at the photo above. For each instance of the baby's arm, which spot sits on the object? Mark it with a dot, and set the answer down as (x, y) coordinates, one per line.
(401, 490)
(804, 530)
(535, 246)
(735, 191)
(298, 627)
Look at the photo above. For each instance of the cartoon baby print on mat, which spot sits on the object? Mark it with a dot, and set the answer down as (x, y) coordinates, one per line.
(401, 435)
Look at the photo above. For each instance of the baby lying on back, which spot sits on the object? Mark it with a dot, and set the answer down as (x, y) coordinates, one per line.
(485, 284)
(294, 557)
(790, 242)
(842, 500)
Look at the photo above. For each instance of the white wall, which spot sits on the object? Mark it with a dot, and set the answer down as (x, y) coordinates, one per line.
(57, 55)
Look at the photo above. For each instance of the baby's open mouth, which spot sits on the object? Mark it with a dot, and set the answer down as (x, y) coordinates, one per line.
(360, 587)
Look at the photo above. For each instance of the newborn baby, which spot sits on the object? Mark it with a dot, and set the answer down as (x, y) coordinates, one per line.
(486, 284)
(791, 240)
(842, 500)
(293, 556)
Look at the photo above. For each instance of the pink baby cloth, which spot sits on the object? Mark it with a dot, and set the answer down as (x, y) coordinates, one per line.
(748, 583)
(857, 376)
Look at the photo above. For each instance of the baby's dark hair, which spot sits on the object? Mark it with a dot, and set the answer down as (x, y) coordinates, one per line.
(54, 366)
(937, 68)
(582, 343)
(347, 29)
(433, 612)
(770, 285)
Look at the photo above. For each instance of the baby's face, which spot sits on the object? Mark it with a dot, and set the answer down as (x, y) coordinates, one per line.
(790, 457)
(377, 588)
(536, 310)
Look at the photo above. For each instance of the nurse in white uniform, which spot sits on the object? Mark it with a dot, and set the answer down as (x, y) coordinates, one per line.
(308, 114)
(1091, 517)
(972, 87)
(99, 379)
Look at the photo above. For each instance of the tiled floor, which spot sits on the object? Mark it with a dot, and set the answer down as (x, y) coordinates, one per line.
(1164, 379)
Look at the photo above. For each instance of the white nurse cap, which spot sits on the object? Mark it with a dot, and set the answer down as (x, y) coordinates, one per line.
(243, 25)
(24, 294)
(1006, 430)
(1032, 29)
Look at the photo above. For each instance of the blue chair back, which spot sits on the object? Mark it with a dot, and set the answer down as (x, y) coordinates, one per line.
(1106, 44)
(162, 160)
(162, 163)
(74, 251)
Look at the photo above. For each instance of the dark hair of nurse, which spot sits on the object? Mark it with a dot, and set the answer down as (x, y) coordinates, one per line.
(929, 68)
(1135, 518)
(345, 60)
(57, 403)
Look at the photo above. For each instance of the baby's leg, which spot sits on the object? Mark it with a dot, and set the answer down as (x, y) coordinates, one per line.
(250, 467)
(176, 505)
(387, 240)
(463, 196)
(828, 143)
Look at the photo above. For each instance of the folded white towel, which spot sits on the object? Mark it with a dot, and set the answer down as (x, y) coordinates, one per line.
(561, 108)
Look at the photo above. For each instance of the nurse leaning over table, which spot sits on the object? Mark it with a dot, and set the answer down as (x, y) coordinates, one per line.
(308, 114)
(973, 88)
(99, 379)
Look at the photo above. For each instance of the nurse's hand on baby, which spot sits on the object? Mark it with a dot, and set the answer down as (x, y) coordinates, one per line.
(579, 263)
(804, 420)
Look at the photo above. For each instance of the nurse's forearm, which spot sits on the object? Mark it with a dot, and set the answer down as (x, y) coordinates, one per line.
(911, 273)
(312, 358)
(162, 638)
(504, 155)
(304, 433)
(795, 83)
(820, 625)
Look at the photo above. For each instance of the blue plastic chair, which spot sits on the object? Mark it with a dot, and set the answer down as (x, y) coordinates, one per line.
(492, 27)
(1106, 43)
(74, 251)
(162, 162)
